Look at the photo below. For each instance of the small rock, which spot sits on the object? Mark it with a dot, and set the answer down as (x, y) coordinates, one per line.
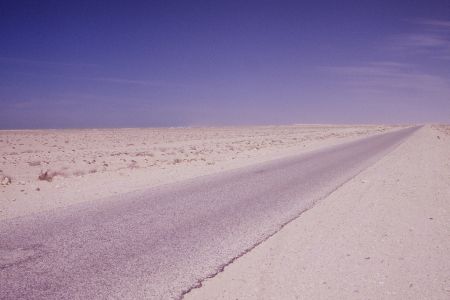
(21, 182)
(6, 181)
(38, 189)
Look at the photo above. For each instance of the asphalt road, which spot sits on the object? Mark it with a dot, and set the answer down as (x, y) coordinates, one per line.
(157, 244)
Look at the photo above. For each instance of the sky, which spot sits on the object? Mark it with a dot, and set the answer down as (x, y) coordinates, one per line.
(84, 64)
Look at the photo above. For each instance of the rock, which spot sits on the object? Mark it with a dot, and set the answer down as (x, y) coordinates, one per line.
(21, 182)
(6, 180)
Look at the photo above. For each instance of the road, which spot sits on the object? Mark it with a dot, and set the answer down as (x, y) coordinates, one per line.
(159, 243)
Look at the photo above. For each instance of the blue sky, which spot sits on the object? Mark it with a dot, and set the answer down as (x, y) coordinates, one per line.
(76, 64)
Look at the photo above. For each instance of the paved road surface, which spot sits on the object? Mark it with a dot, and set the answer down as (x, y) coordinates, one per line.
(157, 244)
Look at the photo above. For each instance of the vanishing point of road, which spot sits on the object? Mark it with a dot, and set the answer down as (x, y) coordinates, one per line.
(160, 243)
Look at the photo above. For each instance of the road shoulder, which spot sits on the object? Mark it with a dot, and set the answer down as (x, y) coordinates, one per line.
(384, 234)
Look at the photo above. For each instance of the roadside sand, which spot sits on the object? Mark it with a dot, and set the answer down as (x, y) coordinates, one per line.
(383, 235)
(84, 165)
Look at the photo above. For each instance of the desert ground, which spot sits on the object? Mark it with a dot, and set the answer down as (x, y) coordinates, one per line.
(384, 234)
(45, 169)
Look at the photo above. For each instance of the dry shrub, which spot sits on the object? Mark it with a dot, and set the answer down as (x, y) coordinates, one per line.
(133, 165)
(49, 175)
(145, 154)
(78, 173)
(45, 176)
(34, 163)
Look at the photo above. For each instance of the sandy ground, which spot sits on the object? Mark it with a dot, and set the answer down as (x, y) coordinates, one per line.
(45, 169)
(383, 235)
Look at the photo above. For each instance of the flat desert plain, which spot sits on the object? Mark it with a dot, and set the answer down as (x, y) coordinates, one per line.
(384, 234)
(46, 169)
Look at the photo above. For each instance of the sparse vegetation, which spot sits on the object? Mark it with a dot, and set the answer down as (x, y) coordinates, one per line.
(49, 175)
(76, 153)
(78, 173)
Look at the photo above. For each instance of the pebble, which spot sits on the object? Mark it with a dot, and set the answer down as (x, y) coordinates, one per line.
(6, 181)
